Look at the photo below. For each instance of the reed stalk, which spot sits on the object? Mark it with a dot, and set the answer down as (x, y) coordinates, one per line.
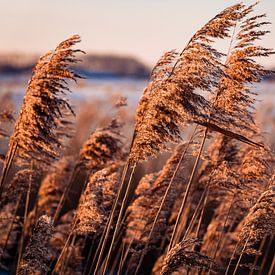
(23, 234)
(105, 234)
(164, 198)
(120, 216)
(240, 257)
(172, 240)
(272, 267)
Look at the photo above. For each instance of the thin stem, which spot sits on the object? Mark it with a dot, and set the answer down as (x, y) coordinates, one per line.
(118, 240)
(118, 259)
(99, 246)
(7, 165)
(10, 229)
(89, 256)
(66, 261)
(222, 232)
(125, 257)
(257, 256)
(64, 247)
(105, 235)
(64, 196)
(98, 249)
(203, 210)
(223, 242)
(120, 216)
(187, 191)
(271, 269)
(266, 254)
(196, 213)
(231, 258)
(164, 198)
(240, 257)
(21, 243)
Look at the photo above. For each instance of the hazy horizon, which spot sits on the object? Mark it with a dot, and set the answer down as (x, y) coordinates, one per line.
(143, 29)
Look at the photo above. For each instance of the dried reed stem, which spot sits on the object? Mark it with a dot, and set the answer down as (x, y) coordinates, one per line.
(26, 210)
(231, 258)
(180, 256)
(7, 165)
(272, 267)
(173, 237)
(257, 256)
(240, 257)
(10, 229)
(222, 231)
(164, 199)
(64, 247)
(111, 218)
(64, 195)
(196, 213)
(266, 254)
(121, 212)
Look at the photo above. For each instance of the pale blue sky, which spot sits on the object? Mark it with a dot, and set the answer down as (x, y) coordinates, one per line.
(143, 28)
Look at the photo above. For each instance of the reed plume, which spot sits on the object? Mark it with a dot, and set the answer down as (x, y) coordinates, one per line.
(36, 256)
(260, 221)
(182, 255)
(234, 94)
(242, 69)
(236, 98)
(35, 129)
(96, 202)
(35, 137)
(18, 186)
(102, 147)
(52, 186)
(171, 102)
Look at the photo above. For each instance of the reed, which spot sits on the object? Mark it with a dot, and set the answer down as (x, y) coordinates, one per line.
(98, 208)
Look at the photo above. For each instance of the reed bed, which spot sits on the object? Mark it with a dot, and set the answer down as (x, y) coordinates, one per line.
(70, 206)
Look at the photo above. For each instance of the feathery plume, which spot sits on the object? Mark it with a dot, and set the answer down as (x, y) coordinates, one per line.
(19, 185)
(36, 256)
(235, 96)
(53, 185)
(260, 221)
(172, 102)
(102, 147)
(183, 256)
(96, 202)
(35, 130)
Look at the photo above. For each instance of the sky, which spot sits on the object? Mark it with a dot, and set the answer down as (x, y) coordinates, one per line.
(142, 28)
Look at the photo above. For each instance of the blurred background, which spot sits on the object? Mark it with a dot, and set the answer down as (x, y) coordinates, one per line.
(123, 40)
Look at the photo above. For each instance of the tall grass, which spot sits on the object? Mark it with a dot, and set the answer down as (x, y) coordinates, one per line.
(210, 209)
